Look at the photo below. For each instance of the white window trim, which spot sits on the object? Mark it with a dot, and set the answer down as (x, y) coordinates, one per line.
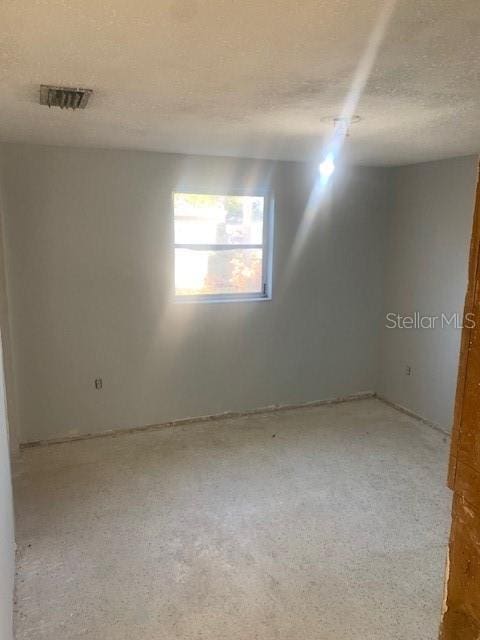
(266, 246)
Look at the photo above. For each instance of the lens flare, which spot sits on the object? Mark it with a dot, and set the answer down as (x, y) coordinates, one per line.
(327, 167)
(319, 205)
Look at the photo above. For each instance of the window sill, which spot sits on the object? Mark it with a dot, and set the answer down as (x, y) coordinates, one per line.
(193, 300)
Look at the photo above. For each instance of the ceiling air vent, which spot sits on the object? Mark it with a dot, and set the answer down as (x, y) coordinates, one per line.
(64, 97)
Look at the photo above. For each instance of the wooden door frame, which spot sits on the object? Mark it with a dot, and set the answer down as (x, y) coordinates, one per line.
(461, 611)
(473, 267)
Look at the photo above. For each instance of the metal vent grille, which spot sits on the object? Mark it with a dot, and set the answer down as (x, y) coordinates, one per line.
(64, 97)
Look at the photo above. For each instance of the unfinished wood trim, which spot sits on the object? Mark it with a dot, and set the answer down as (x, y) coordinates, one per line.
(473, 267)
(209, 418)
(460, 610)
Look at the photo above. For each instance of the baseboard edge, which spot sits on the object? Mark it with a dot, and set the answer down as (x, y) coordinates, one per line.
(206, 418)
(412, 414)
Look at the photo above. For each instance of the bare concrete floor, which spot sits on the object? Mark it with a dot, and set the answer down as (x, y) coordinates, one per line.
(325, 523)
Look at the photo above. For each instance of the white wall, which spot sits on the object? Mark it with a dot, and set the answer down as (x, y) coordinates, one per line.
(7, 549)
(7, 443)
(428, 240)
(89, 269)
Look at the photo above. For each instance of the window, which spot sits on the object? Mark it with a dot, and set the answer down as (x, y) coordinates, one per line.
(221, 246)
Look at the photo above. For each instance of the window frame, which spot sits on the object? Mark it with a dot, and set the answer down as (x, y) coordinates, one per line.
(266, 246)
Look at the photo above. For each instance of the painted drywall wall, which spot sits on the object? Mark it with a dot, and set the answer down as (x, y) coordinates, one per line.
(7, 443)
(428, 237)
(9, 376)
(90, 271)
(7, 548)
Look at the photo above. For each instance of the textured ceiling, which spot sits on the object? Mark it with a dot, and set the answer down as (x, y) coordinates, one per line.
(257, 78)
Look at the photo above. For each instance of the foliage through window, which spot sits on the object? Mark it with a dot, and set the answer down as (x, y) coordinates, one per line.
(220, 246)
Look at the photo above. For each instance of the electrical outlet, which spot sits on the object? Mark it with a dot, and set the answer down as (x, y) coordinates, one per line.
(98, 383)
(408, 370)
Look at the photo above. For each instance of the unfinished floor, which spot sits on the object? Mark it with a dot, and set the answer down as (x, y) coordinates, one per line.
(326, 523)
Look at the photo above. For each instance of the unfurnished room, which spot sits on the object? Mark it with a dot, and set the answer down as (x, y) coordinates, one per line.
(239, 300)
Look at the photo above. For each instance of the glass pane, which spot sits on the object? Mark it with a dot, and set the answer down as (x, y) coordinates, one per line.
(212, 219)
(199, 272)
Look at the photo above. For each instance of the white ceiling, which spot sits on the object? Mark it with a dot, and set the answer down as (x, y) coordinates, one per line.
(251, 78)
